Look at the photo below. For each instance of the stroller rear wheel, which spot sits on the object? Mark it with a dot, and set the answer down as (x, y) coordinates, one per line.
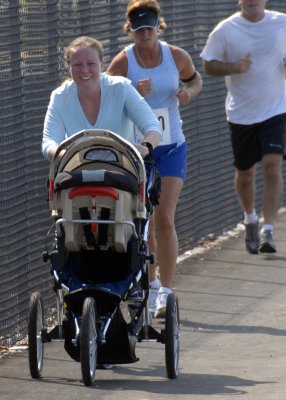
(35, 332)
(172, 332)
(88, 341)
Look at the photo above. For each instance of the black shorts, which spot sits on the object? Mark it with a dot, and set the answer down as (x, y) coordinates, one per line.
(251, 142)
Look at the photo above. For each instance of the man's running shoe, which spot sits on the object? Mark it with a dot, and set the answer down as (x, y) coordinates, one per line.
(267, 243)
(251, 238)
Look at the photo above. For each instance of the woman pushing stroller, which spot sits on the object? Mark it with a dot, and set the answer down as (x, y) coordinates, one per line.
(113, 212)
(92, 99)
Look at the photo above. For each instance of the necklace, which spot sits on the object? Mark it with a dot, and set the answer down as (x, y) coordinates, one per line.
(142, 62)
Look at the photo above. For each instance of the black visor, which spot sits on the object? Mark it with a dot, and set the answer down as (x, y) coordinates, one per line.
(143, 18)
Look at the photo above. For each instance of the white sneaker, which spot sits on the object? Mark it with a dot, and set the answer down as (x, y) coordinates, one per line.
(161, 304)
(153, 294)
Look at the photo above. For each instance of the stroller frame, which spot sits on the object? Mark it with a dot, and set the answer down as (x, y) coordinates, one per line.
(99, 195)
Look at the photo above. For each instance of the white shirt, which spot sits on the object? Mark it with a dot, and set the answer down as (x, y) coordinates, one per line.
(120, 106)
(165, 82)
(260, 93)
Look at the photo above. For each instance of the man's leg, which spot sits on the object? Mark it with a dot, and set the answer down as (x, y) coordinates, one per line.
(244, 182)
(273, 186)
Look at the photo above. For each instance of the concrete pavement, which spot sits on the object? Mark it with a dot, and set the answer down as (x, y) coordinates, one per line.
(233, 338)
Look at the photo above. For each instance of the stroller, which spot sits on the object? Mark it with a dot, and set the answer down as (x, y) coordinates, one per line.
(101, 195)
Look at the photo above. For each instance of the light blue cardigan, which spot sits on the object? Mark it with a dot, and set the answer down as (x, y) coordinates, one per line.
(120, 106)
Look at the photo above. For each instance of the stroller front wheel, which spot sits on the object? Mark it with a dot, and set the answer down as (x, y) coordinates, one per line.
(35, 335)
(88, 341)
(172, 332)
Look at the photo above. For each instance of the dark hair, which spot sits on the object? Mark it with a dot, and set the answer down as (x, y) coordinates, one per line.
(140, 5)
(83, 41)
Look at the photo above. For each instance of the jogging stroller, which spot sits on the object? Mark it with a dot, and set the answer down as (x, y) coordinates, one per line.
(101, 195)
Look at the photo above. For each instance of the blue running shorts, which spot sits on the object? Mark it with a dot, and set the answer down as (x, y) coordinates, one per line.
(171, 160)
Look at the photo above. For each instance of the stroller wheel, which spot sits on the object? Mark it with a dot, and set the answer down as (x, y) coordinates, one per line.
(35, 335)
(172, 332)
(88, 341)
(60, 311)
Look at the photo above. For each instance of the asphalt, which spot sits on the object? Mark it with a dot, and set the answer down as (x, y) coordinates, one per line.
(233, 337)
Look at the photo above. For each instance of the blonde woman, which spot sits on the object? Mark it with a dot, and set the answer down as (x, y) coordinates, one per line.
(92, 100)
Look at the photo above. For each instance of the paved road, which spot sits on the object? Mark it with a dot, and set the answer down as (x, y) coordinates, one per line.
(233, 339)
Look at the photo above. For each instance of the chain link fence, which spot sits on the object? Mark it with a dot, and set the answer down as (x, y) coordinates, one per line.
(33, 35)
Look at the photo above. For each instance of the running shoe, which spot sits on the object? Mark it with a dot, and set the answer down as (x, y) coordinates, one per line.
(267, 243)
(153, 294)
(161, 304)
(251, 238)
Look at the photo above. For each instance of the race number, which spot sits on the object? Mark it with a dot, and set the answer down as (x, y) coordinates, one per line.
(163, 116)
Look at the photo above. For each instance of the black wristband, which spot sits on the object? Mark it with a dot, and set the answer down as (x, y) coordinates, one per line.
(149, 147)
(190, 79)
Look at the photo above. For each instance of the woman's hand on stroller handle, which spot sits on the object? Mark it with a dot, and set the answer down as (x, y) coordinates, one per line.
(143, 150)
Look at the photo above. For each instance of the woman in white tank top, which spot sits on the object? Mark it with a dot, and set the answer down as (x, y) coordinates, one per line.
(156, 68)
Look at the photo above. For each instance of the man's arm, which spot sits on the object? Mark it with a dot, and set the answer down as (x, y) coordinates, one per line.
(219, 68)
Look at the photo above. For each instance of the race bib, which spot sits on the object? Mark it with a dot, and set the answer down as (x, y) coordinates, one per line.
(163, 116)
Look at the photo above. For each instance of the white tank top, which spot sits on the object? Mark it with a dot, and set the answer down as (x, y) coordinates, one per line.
(165, 82)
